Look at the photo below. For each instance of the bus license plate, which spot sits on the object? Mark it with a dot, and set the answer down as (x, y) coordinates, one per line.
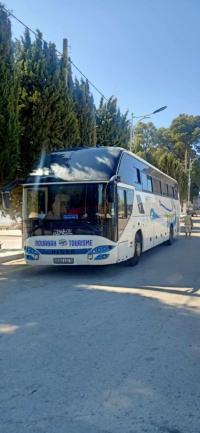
(63, 261)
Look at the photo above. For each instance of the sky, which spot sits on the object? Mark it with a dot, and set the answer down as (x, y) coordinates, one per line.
(144, 52)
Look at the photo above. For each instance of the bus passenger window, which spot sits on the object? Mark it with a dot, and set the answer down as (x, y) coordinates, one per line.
(149, 184)
(176, 192)
(165, 189)
(156, 186)
(138, 175)
(144, 181)
(171, 191)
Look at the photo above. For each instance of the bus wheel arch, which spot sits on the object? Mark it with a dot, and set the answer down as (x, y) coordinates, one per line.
(138, 245)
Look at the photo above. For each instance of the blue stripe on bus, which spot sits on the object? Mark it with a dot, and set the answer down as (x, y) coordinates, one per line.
(64, 252)
(165, 207)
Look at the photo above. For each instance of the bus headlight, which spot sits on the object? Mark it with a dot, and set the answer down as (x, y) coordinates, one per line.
(31, 253)
(102, 249)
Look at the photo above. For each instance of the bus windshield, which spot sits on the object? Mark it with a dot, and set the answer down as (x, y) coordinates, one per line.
(82, 209)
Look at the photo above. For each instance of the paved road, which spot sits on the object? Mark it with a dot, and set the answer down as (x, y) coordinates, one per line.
(102, 350)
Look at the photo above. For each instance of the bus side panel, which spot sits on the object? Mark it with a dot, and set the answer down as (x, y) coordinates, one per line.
(159, 213)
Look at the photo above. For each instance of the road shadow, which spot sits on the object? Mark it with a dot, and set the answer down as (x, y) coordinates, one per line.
(95, 358)
(110, 348)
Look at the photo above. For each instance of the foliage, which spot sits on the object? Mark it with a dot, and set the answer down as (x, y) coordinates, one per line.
(145, 136)
(171, 148)
(9, 126)
(43, 108)
(186, 131)
(85, 110)
(113, 128)
(195, 177)
(46, 113)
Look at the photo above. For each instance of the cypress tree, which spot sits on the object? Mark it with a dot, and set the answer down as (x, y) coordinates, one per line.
(113, 128)
(86, 113)
(46, 111)
(9, 125)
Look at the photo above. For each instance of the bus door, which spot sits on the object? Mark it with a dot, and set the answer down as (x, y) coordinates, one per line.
(125, 198)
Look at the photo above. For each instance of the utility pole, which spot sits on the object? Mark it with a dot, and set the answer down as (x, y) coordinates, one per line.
(189, 180)
(186, 160)
(65, 58)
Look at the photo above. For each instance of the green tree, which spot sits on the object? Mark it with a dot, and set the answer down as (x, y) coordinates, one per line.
(185, 132)
(165, 139)
(170, 148)
(70, 82)
(158, 151)
(9, 126)
(195, 177)
(145, 140)
(47, 116)
(145, 136)
(113, 127)
(170, 165)
(85, 110)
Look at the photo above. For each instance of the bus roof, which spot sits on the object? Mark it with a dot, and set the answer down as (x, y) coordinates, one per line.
(77, 165)
(83, 164)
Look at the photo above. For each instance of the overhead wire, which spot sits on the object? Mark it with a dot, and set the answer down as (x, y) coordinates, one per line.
(10, 13)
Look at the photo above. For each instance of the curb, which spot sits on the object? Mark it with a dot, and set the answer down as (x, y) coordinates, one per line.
(10, 258)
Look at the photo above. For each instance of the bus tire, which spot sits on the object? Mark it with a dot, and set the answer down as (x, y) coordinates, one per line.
(133, 261)
(171, 235)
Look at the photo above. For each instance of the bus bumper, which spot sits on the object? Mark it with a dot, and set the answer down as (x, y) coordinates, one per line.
(75, 252)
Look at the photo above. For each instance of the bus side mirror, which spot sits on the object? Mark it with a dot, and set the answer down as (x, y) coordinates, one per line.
(6, 200)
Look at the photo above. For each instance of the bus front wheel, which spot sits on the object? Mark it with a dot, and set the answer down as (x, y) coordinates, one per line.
(137, 251)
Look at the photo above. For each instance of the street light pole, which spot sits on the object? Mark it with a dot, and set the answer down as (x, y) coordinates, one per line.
(142, 117)
(134, 126)
(131, 132)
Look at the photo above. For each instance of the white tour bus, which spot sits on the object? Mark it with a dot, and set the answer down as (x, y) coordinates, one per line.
(96, 206)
